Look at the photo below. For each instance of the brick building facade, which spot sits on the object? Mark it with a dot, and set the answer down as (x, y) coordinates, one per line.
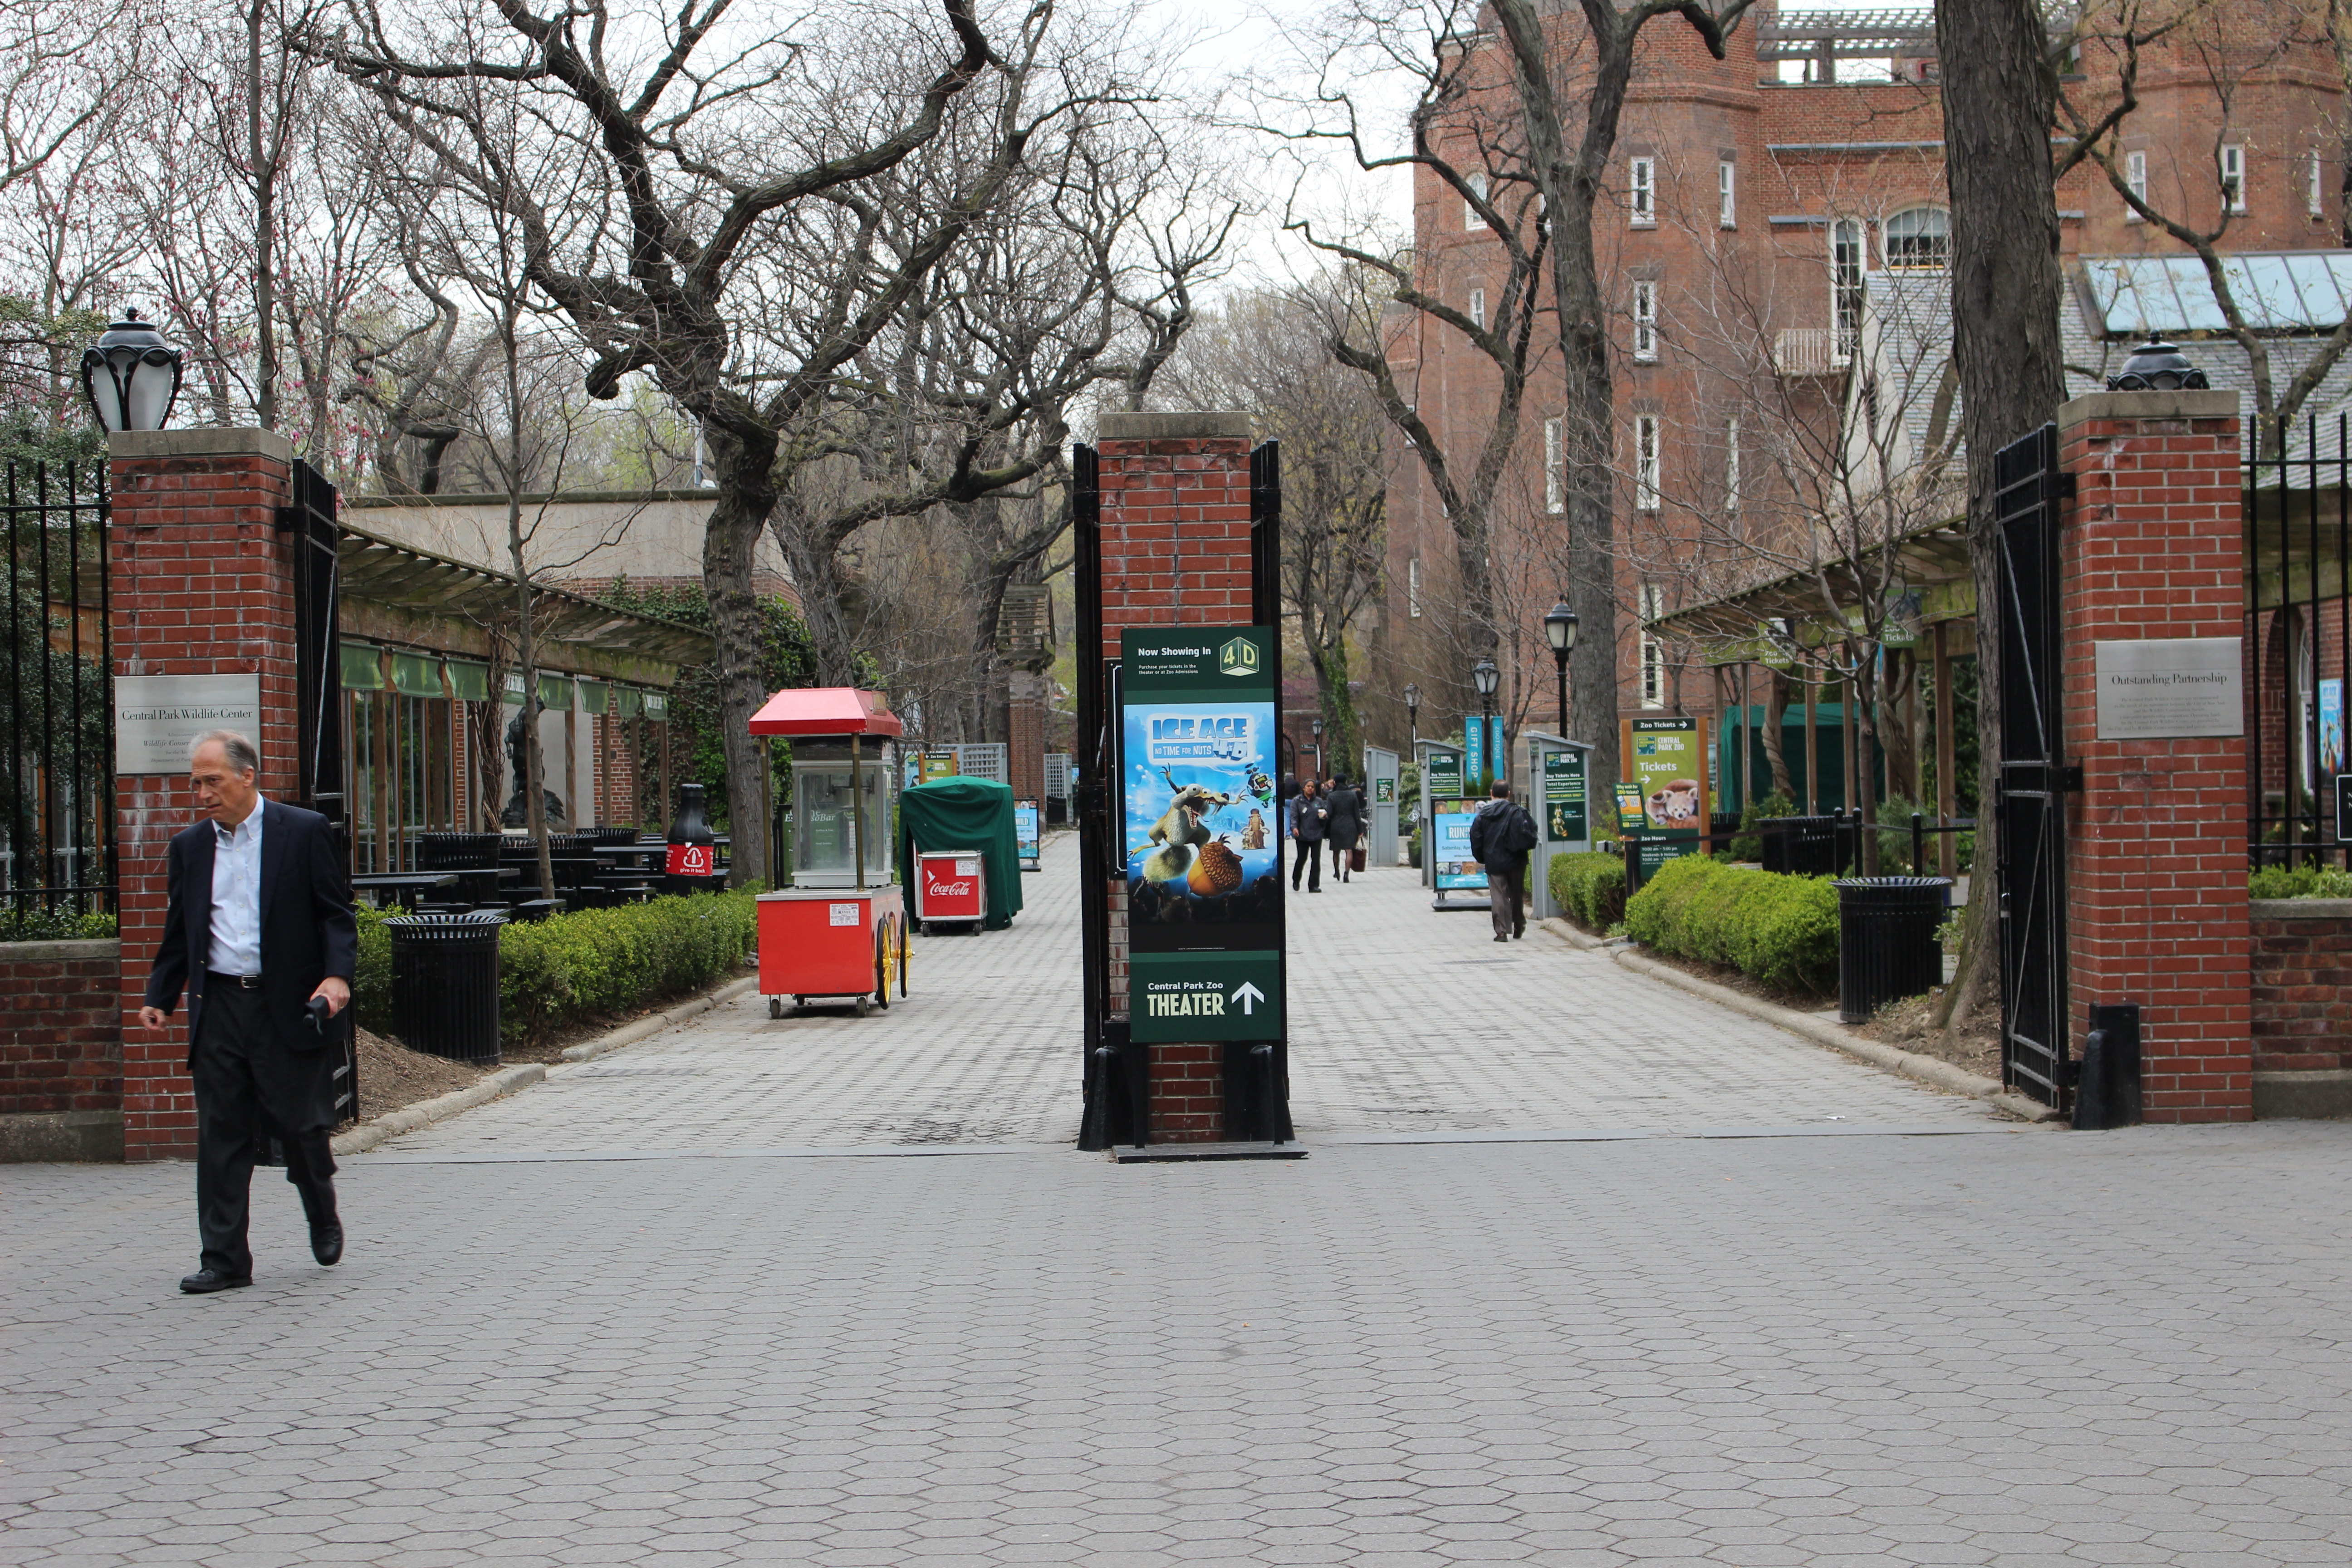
(1758, 221)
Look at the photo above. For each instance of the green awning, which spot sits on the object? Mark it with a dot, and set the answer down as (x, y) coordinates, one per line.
(415, 675)
(632, 701)
(470, 680)
(595, 697)
(555, 693)
(363, 670)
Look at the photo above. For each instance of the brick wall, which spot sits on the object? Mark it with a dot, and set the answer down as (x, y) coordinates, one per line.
(2156, 855)
(2302, 984)
(200, 587)
(1176, 550)
(61, 1050)
(1025, 731)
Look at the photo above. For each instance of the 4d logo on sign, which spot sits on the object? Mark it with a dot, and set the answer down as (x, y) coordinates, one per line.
(1238, 657)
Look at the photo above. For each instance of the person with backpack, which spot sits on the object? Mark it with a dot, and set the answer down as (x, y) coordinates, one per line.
(1501, 836)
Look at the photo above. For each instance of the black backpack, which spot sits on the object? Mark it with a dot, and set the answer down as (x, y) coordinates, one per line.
(1518, 830)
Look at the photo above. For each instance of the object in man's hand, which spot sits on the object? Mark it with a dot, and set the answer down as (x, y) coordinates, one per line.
(321, 1010)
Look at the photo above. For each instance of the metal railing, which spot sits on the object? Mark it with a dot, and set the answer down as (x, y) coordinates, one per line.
(2298, 527)
(57, 790)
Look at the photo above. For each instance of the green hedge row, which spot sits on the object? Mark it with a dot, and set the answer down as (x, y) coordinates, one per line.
(571, 967)
(2299, 882)
(1590, 887)
(1782, 931)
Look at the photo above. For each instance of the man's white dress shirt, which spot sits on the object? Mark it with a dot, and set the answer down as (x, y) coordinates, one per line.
(237, 896)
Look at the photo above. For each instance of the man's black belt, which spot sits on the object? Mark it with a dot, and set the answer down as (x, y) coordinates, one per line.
(241, 981)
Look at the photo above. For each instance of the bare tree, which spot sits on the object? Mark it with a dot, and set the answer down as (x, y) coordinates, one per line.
(707, 149)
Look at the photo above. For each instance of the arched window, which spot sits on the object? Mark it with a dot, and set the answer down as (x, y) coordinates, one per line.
(1918, 237)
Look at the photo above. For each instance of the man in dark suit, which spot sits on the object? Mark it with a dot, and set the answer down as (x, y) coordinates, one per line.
(258, 926)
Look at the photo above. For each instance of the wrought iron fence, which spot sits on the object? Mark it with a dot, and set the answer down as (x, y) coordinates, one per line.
(2298, 519)
(56, 792)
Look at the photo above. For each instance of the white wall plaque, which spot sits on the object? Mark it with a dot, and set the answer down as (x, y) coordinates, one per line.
(2158, 689)
(157, 717)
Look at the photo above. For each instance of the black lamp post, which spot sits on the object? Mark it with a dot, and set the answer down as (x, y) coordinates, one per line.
(1412, 718)
(1559, 630)
(1487, 678)
(131, 376)
(1317, 728)
(2157, 367)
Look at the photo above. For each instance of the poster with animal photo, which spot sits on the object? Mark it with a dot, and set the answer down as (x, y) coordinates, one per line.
(1204, 823)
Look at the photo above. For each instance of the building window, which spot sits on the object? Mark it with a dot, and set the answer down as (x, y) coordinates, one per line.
(2314, 198)
(1731, 464)
(1654, 656)
(2233, 178)
(1845, 287)
(1645, 322)
(1555, 469)
(1471, 221)
(1645, 462)
(1919, 237)
(1727, 194)
(1478, 309)
(1412, 588)
(1642, 188)
(2135, 181)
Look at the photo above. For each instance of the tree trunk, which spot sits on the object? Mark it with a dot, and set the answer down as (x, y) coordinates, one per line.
(746, 498)
(264, 229)
(1999, 103)
(1776, 737)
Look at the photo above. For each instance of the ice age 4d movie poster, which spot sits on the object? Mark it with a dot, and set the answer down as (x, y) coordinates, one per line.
(1204, 814)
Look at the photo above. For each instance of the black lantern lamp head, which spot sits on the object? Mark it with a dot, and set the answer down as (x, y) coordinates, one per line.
(1317, 728)
(1559, 629)
(1412, 702)
(131, 376)
(1486, 677)
(2157, 367)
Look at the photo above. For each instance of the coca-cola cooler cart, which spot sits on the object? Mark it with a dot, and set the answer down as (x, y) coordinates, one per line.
(839, 932)
(959, 856)
(950, 886)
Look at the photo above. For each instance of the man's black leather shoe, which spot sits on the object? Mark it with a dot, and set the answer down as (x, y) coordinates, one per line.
(327, 1243)
(204, 1281)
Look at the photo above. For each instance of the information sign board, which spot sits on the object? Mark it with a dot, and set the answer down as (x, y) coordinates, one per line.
(940, 765)
(1384, 792)
(1024, 833)
(158, 717)
(1204, 996)
(1441, 773)
(1202, 831)
(1632, 815)
(2160, 689)
(1473, 755)
(1449, 821)
(1667, 759)
(1566, 811)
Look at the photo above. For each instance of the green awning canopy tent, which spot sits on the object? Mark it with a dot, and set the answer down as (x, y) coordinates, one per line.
(963, 814)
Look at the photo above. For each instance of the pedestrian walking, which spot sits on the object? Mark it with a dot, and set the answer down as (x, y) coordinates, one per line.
(259, 931)
(1309, 816)
(1347, 825)
(1501, 834)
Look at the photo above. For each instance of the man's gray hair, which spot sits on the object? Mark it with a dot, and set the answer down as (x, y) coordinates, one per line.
(244, 757)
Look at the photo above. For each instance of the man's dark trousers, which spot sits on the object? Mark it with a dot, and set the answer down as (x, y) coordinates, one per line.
(249, 1086)
(1506, 898)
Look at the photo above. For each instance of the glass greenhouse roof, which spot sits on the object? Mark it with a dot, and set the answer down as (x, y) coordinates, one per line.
(2293, 292)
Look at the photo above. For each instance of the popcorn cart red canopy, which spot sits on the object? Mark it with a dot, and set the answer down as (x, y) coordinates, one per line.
(826, 710)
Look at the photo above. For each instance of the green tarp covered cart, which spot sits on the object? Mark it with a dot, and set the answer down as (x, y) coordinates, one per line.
(974, 815)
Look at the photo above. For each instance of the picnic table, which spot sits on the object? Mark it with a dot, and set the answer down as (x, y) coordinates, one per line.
(378, 884)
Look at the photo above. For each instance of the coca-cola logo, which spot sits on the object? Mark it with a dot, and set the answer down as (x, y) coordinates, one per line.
(956, 888)
(689, 860)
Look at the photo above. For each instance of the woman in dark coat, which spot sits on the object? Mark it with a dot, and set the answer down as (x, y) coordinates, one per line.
(1346, 822)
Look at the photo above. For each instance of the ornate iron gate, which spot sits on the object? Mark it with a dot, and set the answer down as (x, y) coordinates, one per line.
(311, 555)
(1117, 1076)
(2035, 778)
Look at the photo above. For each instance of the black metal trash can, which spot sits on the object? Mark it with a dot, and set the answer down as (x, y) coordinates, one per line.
(445, 984)
(1887, 941)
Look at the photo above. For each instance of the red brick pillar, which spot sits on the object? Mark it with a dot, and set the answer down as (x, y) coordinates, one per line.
(2152, 549)
(1024, 730)
(1175, 552)
(200, 585)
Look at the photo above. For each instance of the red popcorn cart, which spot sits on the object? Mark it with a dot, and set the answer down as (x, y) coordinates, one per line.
(839, 932)
(951, 886)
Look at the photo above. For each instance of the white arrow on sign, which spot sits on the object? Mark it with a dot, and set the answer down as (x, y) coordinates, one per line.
(1249, 996)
